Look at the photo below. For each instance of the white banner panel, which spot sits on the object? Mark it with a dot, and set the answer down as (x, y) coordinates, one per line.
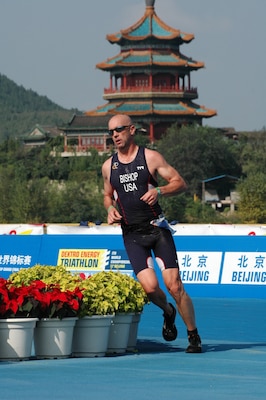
(218, 230)
(83, 230)
(244, 268)
(200, 267)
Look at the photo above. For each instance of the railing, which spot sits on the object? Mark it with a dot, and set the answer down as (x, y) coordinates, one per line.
(85, 148)
(162, 89)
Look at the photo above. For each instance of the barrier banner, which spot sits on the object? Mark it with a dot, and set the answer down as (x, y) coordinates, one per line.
(221, 266)
(206, 266)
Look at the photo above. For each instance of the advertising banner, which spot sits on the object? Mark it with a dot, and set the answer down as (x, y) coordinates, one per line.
(86, 254)
(210, 266)
(90, 261)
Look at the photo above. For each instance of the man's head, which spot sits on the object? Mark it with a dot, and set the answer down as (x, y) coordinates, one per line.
(122, 130)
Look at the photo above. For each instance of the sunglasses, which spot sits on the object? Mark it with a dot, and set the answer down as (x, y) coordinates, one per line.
(118, 129)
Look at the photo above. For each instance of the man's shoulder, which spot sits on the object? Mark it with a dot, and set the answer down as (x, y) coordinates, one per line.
(151, 154)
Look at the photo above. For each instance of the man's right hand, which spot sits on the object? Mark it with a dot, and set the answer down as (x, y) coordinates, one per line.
(113, 216)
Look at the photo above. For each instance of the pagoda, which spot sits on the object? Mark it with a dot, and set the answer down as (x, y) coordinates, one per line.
(150, 80)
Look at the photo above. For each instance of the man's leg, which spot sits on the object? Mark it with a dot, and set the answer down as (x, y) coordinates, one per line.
(148, 280)
(184, 303)
(185, 307)
(150, 284)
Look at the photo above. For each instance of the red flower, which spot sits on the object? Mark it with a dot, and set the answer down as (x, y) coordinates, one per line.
(38, 300)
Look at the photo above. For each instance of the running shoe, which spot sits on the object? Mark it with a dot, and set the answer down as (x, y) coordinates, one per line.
(194, 344)
(169, 329)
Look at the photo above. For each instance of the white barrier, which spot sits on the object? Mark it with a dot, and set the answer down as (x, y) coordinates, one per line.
(21, 229)
(180, 230)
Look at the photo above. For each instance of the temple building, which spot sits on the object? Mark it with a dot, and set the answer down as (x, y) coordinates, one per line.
(150, 80)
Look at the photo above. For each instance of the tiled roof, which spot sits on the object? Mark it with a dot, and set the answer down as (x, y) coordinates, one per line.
(154, 107)
(149, 26)
(40, 131)
(88, 122)
(149, 57)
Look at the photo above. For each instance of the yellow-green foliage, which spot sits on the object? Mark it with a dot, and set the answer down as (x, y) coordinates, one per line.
(105, 292)
(46, 273)
(109, 292)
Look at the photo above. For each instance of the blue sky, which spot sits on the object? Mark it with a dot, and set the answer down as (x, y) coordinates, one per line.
(53, 46)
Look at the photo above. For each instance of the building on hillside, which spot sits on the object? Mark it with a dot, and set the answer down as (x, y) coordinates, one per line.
(40, 135)
(150, 79)
(219, 191)
(84, 132)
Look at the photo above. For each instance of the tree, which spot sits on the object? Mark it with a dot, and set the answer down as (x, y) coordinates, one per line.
(20, 202)
(174, 208)
(252, 187)
(252, 202)
(198, 213)
(253, 151)
(74, 202)
(6, 182)
(199, 153)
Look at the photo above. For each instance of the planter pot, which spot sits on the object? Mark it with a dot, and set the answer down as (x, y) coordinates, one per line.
(133, 332)
(16, 338)
(91, 336)
(119, 333)
(53, 337)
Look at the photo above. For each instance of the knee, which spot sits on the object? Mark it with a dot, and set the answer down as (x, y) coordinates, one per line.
(176, 289)
(151, 291)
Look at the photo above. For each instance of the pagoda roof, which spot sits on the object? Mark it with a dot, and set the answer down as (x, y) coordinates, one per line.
(149, 26)
(136, 108)
(133, 58)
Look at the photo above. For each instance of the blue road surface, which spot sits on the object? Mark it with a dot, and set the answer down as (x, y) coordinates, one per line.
(232, 365)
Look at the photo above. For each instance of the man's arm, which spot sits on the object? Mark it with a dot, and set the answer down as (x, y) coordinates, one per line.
(159, 166)
(176, 183)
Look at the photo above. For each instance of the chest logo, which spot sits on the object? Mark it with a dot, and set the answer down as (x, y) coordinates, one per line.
(115, 165)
